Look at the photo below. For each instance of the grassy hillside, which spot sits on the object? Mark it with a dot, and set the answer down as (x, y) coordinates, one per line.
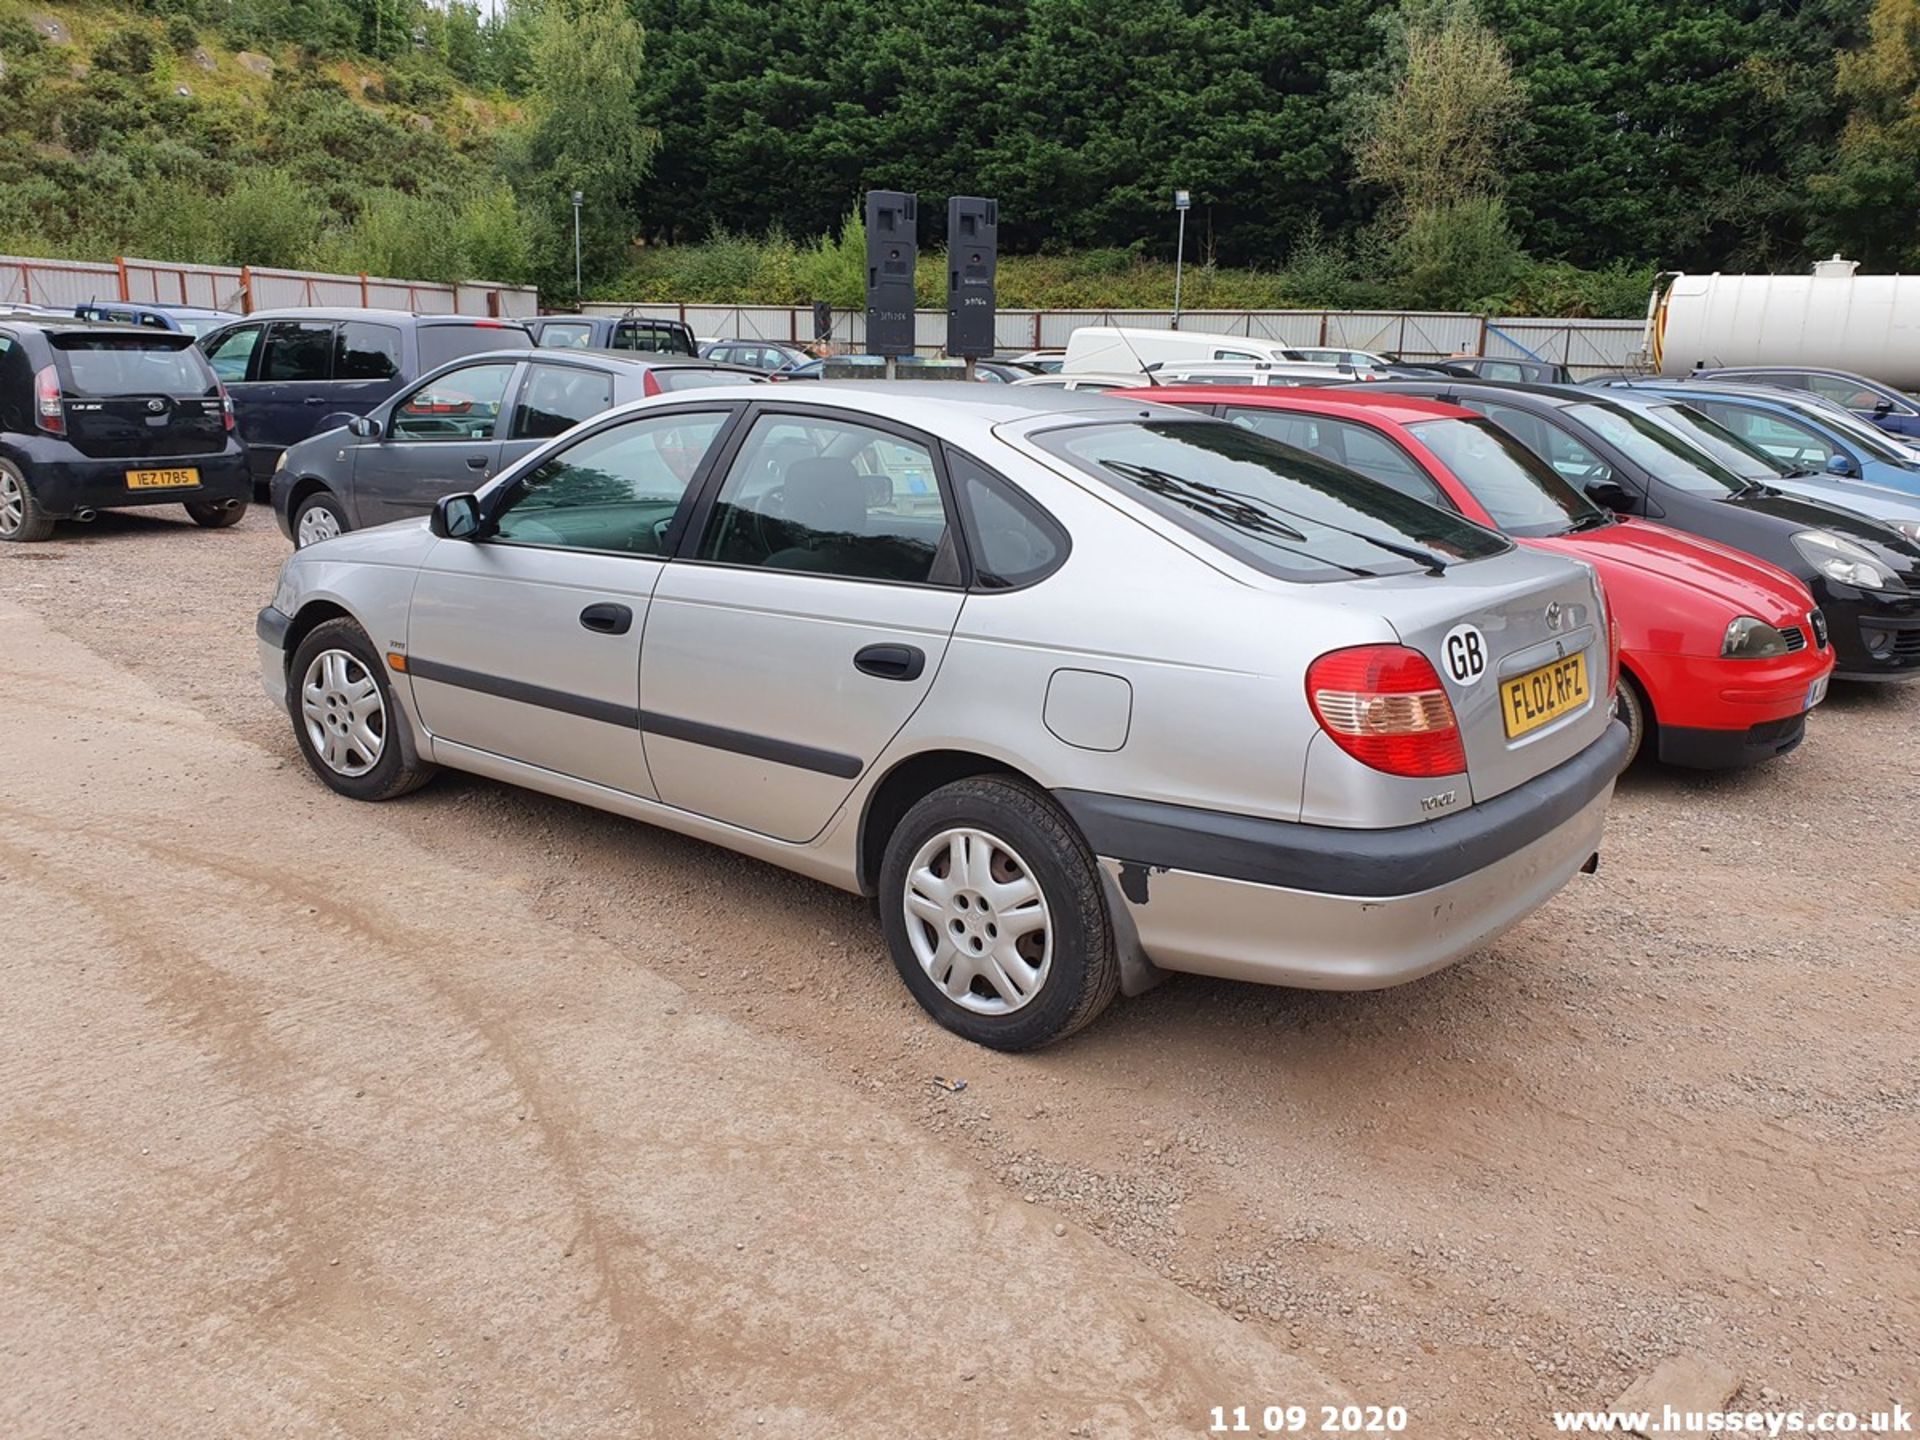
(129, 131)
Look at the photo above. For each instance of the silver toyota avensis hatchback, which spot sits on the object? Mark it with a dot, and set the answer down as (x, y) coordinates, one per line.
(1081, 688)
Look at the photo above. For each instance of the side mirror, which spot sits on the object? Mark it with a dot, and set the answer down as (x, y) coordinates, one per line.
(365, 426)
(1883, 406)
(1609, 494)
(455, 517)
(1838, 464)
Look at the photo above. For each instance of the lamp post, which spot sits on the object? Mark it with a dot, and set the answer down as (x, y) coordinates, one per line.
(1182, 202)
(578, 198)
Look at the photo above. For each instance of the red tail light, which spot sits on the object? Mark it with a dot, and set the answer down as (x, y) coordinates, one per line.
(226, 406)
(649, 385)
(49, 405)
(1384, 705)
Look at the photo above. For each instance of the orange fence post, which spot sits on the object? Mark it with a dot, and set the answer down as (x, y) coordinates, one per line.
(246, 289)
(366, 302)
(120, 265)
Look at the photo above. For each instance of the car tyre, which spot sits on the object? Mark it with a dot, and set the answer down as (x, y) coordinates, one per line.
(1636, 714)
(22, 518)
(987, 888)
(345, 718)
(216, 517)
(319, 517)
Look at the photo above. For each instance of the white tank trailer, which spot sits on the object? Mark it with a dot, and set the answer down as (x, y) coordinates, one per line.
(1829, 319)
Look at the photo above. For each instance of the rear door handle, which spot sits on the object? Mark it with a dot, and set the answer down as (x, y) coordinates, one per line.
(476, 462)
(607, 619)
(891, 662)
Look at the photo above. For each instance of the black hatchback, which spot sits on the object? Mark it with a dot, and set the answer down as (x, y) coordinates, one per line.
(1864, 574)
(96, 417)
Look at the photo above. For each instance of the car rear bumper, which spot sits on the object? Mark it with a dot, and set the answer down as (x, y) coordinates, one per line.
(1325, 908)
(76, 482)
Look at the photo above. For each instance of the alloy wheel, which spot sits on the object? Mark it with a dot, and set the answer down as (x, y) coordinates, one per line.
(978, 921)
(13, 504)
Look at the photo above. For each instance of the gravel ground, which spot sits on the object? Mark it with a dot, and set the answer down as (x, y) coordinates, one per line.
(1677, 1110)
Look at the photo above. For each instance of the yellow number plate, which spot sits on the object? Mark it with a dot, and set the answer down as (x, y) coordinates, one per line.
(186, 478)
(1531, 700)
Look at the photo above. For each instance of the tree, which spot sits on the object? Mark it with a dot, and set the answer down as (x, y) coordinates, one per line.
(586, 133)
(1870, 199)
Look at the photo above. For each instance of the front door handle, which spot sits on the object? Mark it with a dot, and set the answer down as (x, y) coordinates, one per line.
(476, 462)
(315, 400)
(607, 619)
(891, 662)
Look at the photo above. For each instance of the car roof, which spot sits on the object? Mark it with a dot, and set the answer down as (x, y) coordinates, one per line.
(577, 315)
(388, 317)
(75, 324)
(1553, 397)
(1356, 402)
(924, 401)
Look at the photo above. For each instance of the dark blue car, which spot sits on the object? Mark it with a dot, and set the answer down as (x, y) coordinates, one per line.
(294, 373)
(194, 320)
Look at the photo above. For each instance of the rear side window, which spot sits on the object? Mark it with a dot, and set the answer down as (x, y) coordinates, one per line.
(1014, 542)
(163, 363)
(558, 397)
(441, 343)
(1268, 505)
(366, 351)
(298, 350)
(693, 379)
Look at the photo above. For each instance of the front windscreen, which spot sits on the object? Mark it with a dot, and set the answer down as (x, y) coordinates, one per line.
(1747, 461)
(1511, 483)
(1282, 510)
(1657, 450)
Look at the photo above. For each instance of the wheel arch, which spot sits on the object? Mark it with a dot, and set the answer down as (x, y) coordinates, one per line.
(902, 787)
(310, 617)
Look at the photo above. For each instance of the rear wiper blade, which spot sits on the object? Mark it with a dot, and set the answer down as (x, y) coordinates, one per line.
(1248, 515)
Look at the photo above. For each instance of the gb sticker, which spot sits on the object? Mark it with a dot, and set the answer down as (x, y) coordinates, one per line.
(1464, 652)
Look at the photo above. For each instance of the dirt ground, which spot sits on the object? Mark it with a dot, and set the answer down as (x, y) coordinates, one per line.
(481, 1113)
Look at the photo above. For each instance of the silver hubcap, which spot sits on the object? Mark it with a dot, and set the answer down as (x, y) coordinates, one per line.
(13, 504)
(978, 922)
(345, 717)
(317, 523)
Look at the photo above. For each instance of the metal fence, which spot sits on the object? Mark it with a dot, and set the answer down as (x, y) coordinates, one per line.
(245, 288)
(1586, 347)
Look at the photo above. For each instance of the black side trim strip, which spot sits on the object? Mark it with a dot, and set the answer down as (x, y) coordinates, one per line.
(584, 706)
(760, 747)
(271, 626)
(694, 732)
(1328, 860)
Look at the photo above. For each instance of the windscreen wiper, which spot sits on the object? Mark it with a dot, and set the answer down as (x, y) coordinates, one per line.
(1152, 478)
(1247, 514)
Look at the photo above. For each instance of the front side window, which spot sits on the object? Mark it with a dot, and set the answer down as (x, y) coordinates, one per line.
(1358, 447)
(558, 397)
(298, 350)
(1509, 481)
(567, 337)
(829, 497)
(1282, 510)
(366, 351)
(461, 405)
(617, 490)
(232, 353)
(1850, 394)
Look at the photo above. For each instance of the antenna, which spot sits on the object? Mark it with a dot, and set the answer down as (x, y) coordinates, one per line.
(1145, 369)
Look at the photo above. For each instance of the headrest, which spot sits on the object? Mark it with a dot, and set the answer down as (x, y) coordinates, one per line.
(826, 494)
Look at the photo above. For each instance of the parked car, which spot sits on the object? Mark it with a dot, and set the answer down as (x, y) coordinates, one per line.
(1885, 406)
(1807, 437)
(614, 332)
(1091, 380)
(294, 373)
(1041, 362)
(898, 639)
(97, 417)
(754, 354)
(1286, 373)
(1093, 349)
(194, 320)
(1501, 370)
(460, 425)
(1721, 658)
(1864, 575)
(1332, 355)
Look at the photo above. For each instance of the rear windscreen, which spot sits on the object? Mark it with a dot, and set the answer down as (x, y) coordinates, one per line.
(692, 379)
(164, 363)
(1282, 510)
(441, 343)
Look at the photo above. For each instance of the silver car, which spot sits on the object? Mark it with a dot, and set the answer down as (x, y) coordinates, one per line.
(1081, 688)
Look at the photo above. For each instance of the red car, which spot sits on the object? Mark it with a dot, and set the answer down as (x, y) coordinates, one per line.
(1723, 655)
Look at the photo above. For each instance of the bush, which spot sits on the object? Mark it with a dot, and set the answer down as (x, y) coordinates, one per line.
(125, 52)
(182, 35)
(1460, 256)
(268, 218)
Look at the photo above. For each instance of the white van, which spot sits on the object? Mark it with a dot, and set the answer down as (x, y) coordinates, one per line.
(1113, 349)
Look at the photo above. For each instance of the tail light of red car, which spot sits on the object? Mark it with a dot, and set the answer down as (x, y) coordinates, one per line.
(1384, 705)
(650, 384)
(49, 405)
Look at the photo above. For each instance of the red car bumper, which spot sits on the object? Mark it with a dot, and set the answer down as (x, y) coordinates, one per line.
(1716, 714)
